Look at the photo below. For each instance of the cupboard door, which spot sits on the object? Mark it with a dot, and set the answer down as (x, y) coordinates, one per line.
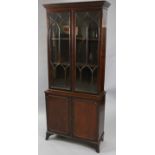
(87, 50)
(84, 119)
(59, 49)
(57, 114)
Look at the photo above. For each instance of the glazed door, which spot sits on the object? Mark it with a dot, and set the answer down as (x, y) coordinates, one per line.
(57, 114)
(59, 49)
(87, 42)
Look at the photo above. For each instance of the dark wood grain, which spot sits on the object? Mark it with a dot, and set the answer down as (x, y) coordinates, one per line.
(101, 116)
(95, 4)
(97, 97)
(85, 119)
(58, 114)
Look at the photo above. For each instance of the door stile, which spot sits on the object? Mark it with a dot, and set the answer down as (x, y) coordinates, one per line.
(73, 51)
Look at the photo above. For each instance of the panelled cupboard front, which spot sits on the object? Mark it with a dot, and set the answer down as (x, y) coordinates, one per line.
(75, 99)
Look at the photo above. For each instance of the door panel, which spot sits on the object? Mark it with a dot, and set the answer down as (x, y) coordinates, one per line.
(84, 119)
(59, 50)
(57, 114)
(87, 50)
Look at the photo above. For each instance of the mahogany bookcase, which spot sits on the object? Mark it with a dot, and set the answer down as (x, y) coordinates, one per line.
(75, 99)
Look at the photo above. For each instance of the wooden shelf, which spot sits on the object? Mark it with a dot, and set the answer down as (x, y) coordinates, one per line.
(61, 63)
(85, 87)
(84, 39)
(60, 38)
(80, 39)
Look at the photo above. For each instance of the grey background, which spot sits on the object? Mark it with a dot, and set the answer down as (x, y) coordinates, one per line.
(64, 146)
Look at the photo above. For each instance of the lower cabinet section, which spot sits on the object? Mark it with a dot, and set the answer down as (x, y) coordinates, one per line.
(76, 117)
(57, 108)
(84, 119)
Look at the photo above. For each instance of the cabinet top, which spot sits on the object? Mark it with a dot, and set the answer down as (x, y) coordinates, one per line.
(93, 4)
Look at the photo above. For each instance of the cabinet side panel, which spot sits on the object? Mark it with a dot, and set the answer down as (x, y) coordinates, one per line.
(101, 117)
(102, 56)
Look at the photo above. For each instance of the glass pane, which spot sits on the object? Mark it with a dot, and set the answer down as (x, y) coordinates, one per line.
(87, 37)
(59, 42)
